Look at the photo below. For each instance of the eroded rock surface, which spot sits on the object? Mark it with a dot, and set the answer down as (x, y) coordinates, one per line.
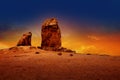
(51, 35)
(25, 40)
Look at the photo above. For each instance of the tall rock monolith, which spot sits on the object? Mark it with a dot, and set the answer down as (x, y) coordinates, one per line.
(51, 35)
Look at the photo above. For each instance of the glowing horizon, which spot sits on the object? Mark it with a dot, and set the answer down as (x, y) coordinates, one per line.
(94, 42)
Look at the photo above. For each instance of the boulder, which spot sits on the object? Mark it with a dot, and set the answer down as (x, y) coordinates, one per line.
(25, 40)
(51, 35)
(62, 49)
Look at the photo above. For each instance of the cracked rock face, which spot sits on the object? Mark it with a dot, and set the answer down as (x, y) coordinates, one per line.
(25, 40)
(51, 35)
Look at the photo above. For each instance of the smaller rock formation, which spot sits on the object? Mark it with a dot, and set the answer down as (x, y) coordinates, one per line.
(62, 49)
(25, 39)
(51, 35)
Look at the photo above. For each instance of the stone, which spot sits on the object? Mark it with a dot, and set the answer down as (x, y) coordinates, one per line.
(51, 35)
(62, 49)
(25, 40)
(59, 54)
(71, 54)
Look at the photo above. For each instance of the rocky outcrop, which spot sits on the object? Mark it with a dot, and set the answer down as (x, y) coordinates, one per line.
(62, 49)
(51, 35)
(25, 40)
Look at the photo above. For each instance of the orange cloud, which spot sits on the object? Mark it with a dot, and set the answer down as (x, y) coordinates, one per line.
(92, 37)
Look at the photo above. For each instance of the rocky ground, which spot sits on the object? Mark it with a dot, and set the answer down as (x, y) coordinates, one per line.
(31, 63)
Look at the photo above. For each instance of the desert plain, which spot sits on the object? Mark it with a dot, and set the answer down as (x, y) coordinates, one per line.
(32, 63)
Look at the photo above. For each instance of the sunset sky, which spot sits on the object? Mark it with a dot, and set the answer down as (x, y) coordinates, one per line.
(87, 26)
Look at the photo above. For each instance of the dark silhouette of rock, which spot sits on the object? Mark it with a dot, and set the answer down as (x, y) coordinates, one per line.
(62, 49)
(59, 54)
(51, 35)
(25, 40)
(71, 54)
(37, 52)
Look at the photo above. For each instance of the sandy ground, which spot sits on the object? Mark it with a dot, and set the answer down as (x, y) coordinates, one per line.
(36, 64)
